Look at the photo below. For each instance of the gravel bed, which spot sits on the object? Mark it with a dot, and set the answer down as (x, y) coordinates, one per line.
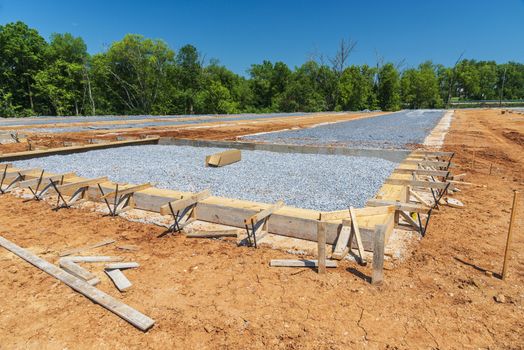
(92, 119)
(394, 131)
(321, 182)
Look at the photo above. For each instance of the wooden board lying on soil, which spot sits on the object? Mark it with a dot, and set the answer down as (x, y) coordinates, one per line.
(129, 314)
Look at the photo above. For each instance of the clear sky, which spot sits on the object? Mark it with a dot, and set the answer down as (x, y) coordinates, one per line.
(242, 32)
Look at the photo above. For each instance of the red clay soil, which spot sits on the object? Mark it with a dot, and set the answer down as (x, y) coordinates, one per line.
(209, 294)
(219, 130)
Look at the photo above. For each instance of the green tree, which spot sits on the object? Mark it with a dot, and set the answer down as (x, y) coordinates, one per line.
(420, 87)
(356, 87)
(388, 88)
(62, 82)
(22, 52)
(133, 72)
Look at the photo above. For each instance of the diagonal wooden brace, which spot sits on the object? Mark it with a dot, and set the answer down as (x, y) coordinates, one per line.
(182, 210)
(257, 223)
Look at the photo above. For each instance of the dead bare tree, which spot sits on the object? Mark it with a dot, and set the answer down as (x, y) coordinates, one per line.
(452, 78)
(339, 61)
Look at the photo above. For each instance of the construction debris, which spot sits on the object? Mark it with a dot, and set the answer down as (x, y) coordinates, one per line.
(129, 314)
(224, 158)
(87, 247)
(119, 279)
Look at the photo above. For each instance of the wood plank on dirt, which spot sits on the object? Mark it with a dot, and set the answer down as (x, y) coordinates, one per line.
(213, 234)
(87, 247)
(124, 311)
(122, 265)
(119, 279)
(78, 271)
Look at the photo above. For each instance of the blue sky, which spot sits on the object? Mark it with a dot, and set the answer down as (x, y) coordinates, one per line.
(242, 32)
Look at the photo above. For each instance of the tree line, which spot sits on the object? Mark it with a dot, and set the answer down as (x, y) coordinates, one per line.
(138, 75)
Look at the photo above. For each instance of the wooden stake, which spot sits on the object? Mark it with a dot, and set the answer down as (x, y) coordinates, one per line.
(378, 254)
(510, 232)
(321, 237)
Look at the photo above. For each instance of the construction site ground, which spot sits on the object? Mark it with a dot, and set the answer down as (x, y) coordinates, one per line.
(211, 294)
(219, 130)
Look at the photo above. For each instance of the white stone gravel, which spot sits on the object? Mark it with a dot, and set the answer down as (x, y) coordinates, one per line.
(321, 182)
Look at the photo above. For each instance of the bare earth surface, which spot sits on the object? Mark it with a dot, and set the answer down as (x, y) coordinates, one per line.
(219, 130)
(209, 294)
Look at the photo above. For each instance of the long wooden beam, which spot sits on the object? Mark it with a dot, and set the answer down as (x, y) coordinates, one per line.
(422, 172)
(75, 149)
(411, 207)
(45, 180)
(124, 311)
(414, 183)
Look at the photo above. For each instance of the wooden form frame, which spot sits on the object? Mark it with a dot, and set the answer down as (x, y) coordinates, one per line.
(183, 210)
(123, 199)
(257, 223)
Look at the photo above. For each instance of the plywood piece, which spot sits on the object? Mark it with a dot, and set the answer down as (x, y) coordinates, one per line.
(299, 263)
(224, 158)
(119, 279)
(124, 311)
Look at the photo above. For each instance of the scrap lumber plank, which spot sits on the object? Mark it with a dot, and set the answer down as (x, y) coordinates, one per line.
(418, 197)
(119, 279)
(128, 190)
(224, 158)
(378, 254)
(93, 259)
(411, 207)
(299, 263)
(78, 271)
(124, 311)
(87, 247)
(122, 265)
(45, 179)
(184, 202)
(213, 234)
(341, 248)
(356, 232)
(425, 184)
(264, 213)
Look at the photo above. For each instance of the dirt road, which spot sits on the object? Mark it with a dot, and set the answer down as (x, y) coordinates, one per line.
(214, 295)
